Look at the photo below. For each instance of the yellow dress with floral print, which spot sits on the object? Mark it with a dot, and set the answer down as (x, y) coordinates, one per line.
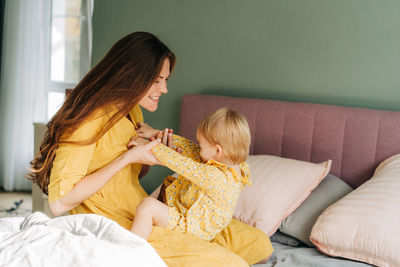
(202, 198)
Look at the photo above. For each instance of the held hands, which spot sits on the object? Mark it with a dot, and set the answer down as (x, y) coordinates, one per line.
(166, 137)
(137, 141)
(146, 131)
(140, 151)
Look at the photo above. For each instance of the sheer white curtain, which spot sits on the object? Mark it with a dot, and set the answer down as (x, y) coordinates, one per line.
(87, 29)
(23, 92)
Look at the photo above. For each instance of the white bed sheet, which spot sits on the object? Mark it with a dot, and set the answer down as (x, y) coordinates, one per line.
(73, 240)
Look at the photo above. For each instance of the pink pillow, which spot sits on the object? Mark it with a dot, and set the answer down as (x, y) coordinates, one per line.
(365, 224)
(279, 186)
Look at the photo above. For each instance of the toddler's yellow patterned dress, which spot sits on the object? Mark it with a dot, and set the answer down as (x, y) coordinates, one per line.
(202, 199)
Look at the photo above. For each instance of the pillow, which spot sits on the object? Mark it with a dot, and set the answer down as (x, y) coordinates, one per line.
(300, 222)
(365, 224)
(281, 238)
(279, 186)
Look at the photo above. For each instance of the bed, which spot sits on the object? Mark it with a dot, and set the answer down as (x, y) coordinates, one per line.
(313, 139)
(354, 141)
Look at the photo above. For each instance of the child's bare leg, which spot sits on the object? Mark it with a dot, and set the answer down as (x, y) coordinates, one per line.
(149, 212)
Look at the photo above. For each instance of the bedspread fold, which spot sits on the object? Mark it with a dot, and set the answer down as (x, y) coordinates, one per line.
(73, 240)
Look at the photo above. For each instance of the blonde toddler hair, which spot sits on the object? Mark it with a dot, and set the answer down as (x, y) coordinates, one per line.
(230, 130)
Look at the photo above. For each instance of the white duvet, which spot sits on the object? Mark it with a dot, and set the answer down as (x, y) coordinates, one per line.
(73, 240)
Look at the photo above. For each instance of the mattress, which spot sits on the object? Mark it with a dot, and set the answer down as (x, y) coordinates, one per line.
(288, 256)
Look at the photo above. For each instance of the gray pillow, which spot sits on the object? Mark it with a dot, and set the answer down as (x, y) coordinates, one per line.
(301, 221)
(281, 238)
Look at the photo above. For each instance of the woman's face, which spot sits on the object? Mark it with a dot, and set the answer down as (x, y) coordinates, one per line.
(159, 87)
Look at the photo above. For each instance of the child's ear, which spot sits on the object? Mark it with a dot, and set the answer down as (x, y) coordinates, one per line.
(218, 150)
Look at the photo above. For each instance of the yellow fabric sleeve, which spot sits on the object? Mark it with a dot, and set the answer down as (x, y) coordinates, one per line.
(189, 149)
(209, 178)
(72, 161)
(192, 151)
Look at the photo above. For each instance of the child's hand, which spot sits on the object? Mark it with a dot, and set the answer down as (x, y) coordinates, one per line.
(137, 141)
(166, 137)
(146, 131)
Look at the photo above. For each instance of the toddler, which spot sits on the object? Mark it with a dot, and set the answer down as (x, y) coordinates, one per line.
(202, 199)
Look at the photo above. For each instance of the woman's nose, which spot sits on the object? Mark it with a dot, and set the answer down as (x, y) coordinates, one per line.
(163, 88)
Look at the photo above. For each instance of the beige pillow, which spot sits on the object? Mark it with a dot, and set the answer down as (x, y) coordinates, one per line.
(365, 224)
(279, 186)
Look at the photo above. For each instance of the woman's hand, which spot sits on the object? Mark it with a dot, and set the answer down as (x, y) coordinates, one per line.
(137, 141)
(146, 131)
(142, 154)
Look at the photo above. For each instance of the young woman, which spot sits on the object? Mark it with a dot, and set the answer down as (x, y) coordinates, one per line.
(85, 165)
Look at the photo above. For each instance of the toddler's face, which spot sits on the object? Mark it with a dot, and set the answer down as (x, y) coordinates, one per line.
(207, 151)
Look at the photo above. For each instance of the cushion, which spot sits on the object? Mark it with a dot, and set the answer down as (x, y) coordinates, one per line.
(284, 239)
(300, 222)
(279, 186)
(364, 225)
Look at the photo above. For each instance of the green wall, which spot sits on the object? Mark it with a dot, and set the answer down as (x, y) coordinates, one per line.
(344, 52)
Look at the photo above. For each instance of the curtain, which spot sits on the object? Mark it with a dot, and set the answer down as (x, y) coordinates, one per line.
(22, 83)
(86, 54)
(2, 3)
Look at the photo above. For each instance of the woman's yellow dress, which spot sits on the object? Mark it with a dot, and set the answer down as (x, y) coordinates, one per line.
(237, 245)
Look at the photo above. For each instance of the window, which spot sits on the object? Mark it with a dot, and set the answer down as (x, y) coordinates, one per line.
(69, 51)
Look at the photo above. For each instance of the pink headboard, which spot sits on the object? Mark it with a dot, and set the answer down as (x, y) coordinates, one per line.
(356, 139)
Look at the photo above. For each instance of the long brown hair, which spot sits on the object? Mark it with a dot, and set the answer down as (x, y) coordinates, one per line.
(121, 78)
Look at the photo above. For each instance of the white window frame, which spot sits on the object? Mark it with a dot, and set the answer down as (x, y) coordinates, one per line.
(85, 50)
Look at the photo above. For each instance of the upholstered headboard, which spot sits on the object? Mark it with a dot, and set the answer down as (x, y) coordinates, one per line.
(356, 139)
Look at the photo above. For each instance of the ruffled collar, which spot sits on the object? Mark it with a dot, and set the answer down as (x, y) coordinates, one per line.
(243, 177)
